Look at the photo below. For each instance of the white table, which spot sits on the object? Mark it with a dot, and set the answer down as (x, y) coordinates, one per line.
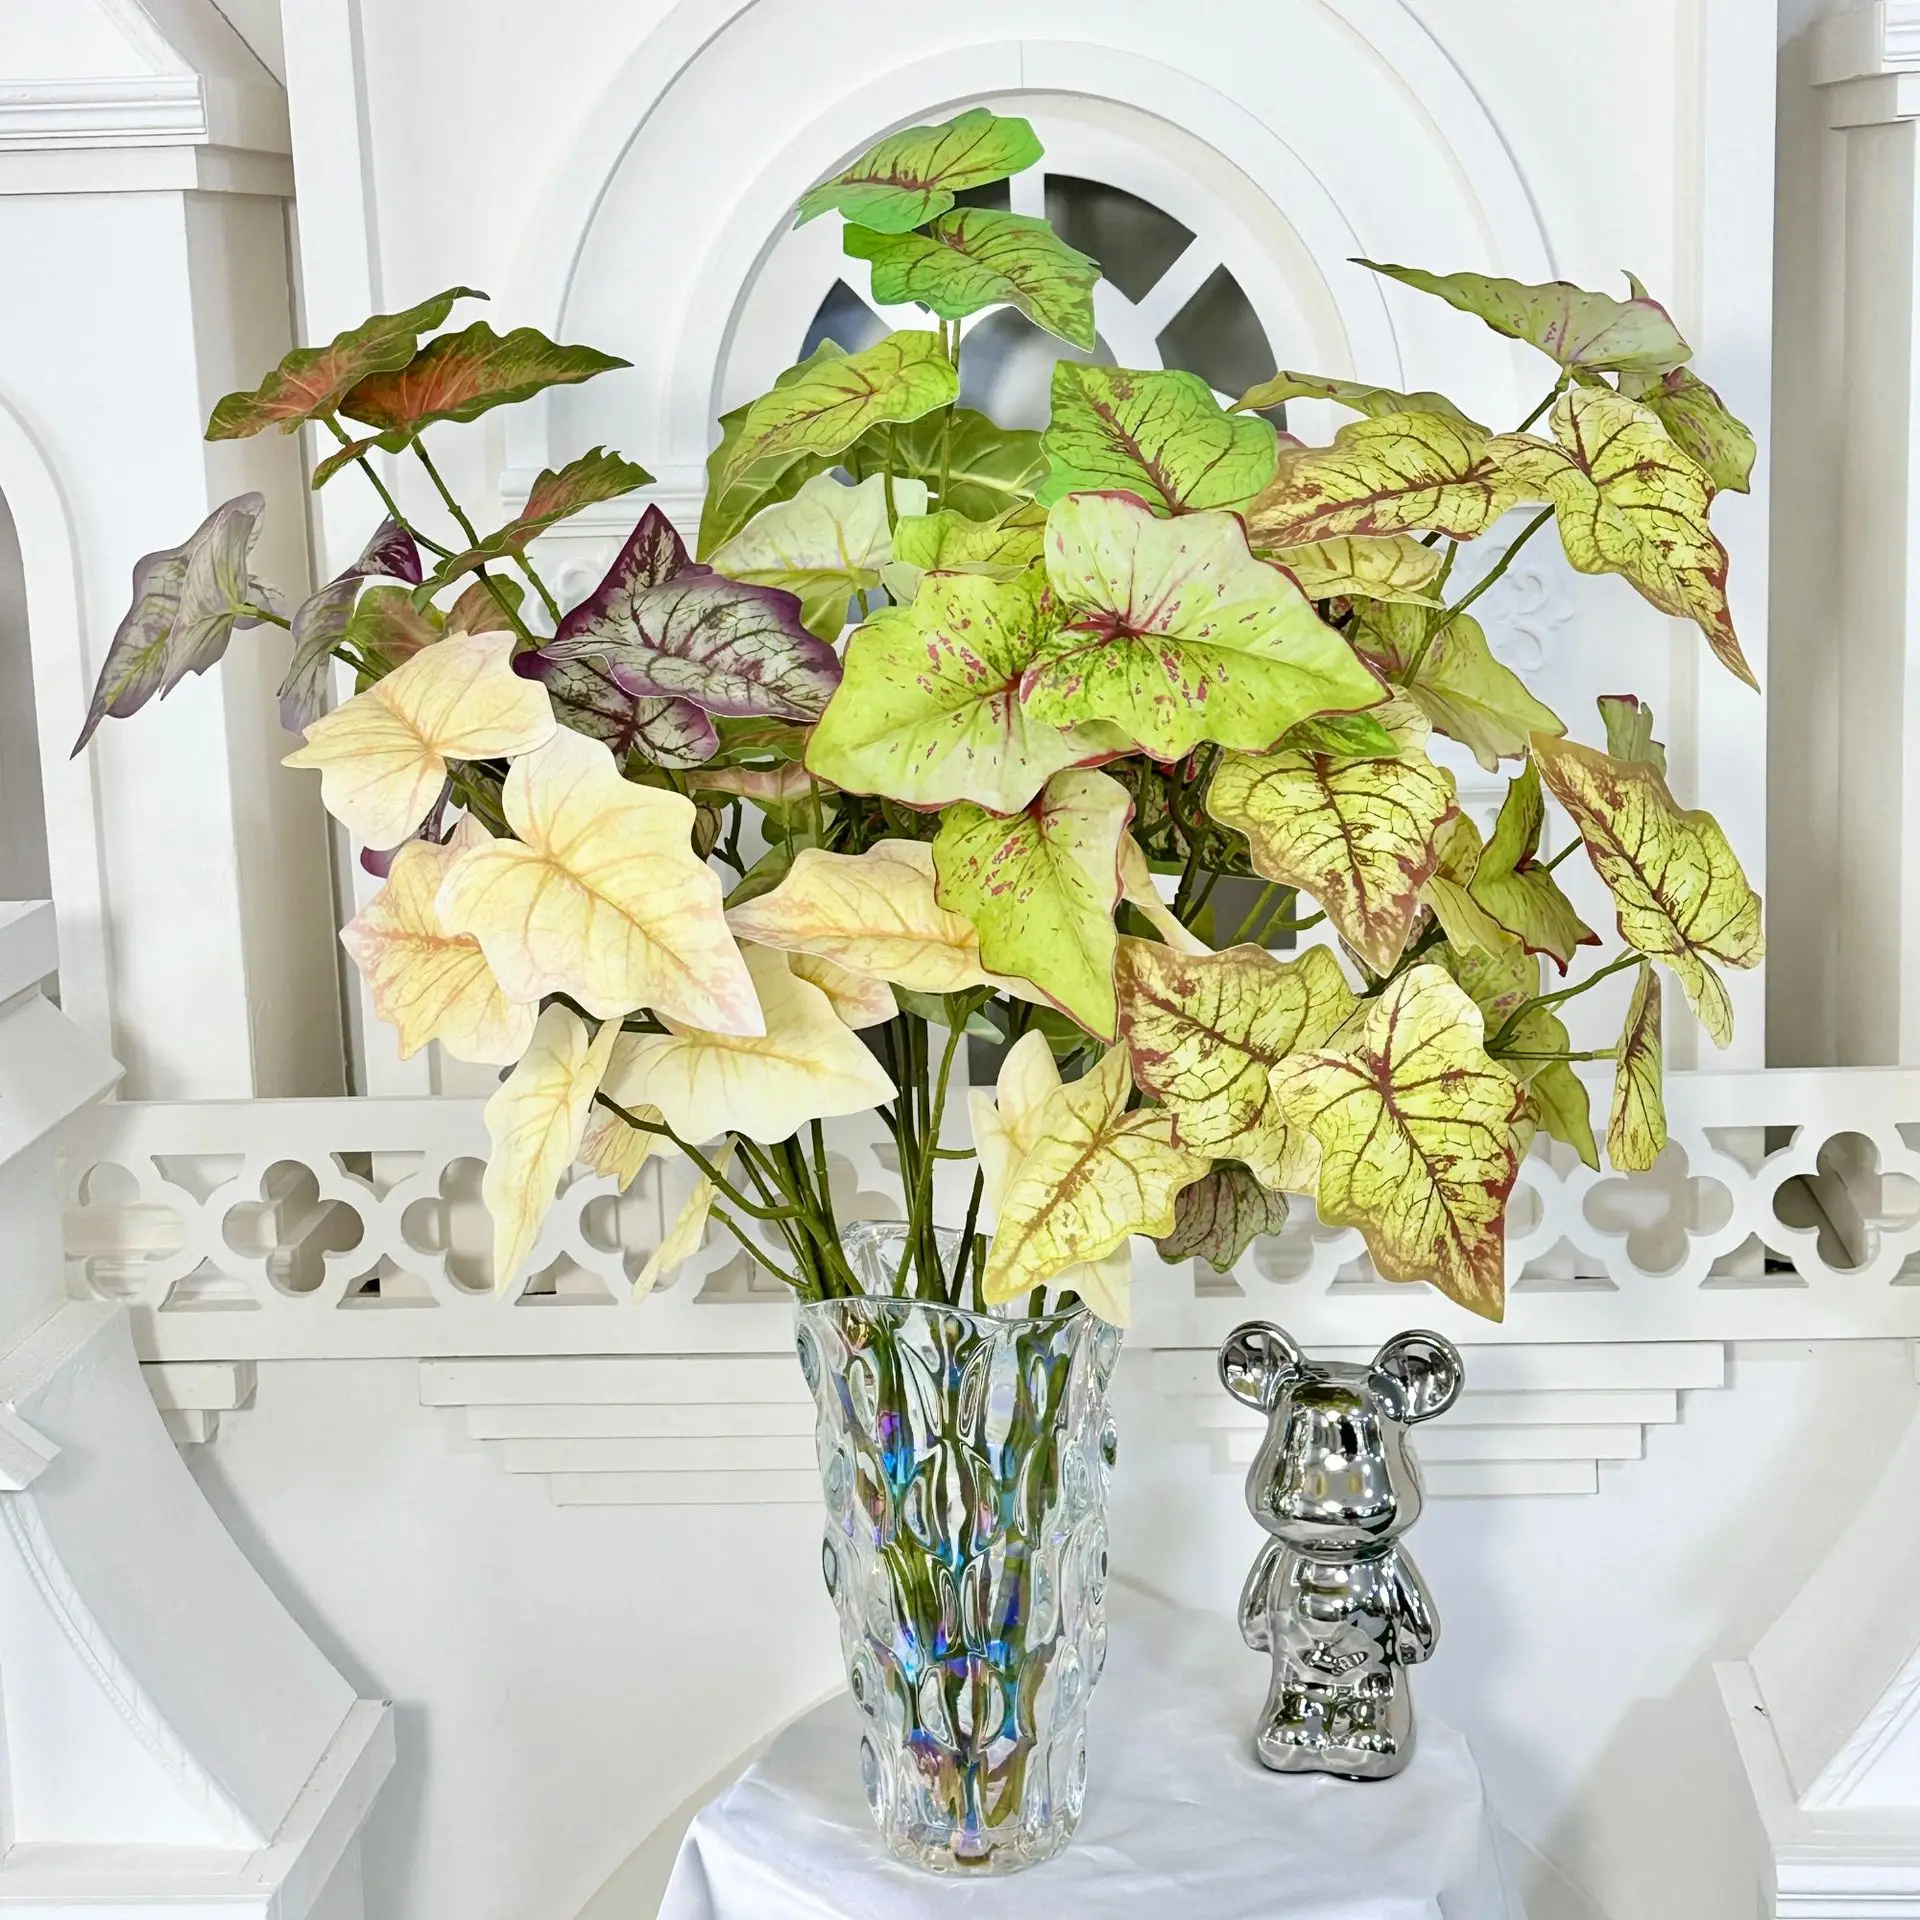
(1181, 1822)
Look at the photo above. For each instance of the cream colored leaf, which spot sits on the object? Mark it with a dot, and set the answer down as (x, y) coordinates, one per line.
(383, 755)
(806, 1066)
(860, 999)
(1140, 893)
(535, 1122)
(427, 983)
(682, 1238)
(1095, 1175)
(601, 897)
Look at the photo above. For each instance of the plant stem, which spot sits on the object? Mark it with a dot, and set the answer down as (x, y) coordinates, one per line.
(1437, 627)
(734, 1196)
(964, 1264)
(1516, 1053)
(267, 614)
(1553, 393)
(752, 1249)
(919, 1235)
(1564, 994)
(1572, 846)
(466, 526)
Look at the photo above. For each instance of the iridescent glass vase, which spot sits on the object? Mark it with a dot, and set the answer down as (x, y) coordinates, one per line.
(964, 1458)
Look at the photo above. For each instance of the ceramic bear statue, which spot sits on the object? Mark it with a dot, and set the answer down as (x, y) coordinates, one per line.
(1333, 1597)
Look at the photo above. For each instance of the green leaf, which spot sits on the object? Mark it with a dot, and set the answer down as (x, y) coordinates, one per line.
(1699, 422)
(1176, 634)
(342, 457)
(1041, 887)
(948, 542)
(1467, 694)
(187, 601)
(388, 625)
(1627, 500)
(909, 177)
(1205, 1031)
(1522, 897)
(1399, 473)
(976, 257)
(1556, 1095)
(1359, 395)
(727, 509)
(1578, 329)
(1220, 1216)
(1343, 736)
(1637, 1122)
(595, 476)
(929, 710)
(1678, 888)
(311, 382)
(989, 469)
(830, 404)
(460, 376)
(1359, 835)
(829, 542)
(1629, 724)
(1160, 435)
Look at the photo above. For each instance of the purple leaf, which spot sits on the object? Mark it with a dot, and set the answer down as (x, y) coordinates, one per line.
(391, 552)
(667, 627)
(587, 698)
(317, 627)
(187, 601)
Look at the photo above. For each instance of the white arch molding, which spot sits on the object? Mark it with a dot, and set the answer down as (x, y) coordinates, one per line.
(49, 554)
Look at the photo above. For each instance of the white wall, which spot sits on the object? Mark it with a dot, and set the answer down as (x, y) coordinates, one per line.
(566, 1676)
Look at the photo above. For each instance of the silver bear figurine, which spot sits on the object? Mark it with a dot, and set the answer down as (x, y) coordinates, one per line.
(1332, 1596)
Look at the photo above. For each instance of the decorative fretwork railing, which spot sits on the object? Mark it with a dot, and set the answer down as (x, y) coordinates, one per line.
(1787, 1207)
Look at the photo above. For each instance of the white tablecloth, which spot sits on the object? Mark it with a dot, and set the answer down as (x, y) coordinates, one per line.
(1181, 1822)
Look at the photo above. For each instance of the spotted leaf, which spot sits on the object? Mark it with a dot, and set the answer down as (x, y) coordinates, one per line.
(1417, 1138)
(910, 177)
(1699, 423)
(1360, 396)
(554, 496)
(1637, 1122)
(1521, 895)
(1220, 1216)
(1677, 888)
(1205, 1031)
(1358, 566)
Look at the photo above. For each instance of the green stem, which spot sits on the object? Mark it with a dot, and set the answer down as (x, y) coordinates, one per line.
(1266, 901)
(964, 1264)
(379, 486)
(734, 1196)
(252, 612)
(494, 588)
(1553, 393)
(1437, 627)
(1565, 994)
(1518, 1053)
(1572, 846)
(918, 1216)
(753, 1250)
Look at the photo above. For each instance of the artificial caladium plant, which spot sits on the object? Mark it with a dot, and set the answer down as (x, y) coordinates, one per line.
(944, 729)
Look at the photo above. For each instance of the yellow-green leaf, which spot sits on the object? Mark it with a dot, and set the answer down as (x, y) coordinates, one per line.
(1567, 323)
(910, 176)
(535, 1122)
(1359, 835)
(1204, 1033)
(1006, 1127)
(1523, 897)
(1677, 887)
(1096, 1174)
(1629, 724)
(1699, 422)
(1416, 1130)
(1627, 500)
(1467, 694)
(975, 257)
(948, 542)
(1556, 1095)
(1220, 1216)
(829, 542)
(806, 1066)
(1359, 395)
(1176, 634)
(1637, 1124)
(1360, 566)
(1160, 435)
(1468, 926)
(929, 712)
(1398, 473)
(1040, 888)
(738, 489)
(834, 401)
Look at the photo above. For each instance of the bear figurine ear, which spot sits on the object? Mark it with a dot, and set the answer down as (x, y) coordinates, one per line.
(1427, 1369)
(1256, 1361)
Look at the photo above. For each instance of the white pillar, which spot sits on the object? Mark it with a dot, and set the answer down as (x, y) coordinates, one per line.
(172, 1744)
(144, 183)
(1868, 61)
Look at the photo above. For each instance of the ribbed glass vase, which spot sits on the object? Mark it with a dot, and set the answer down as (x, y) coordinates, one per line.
(964, 1458)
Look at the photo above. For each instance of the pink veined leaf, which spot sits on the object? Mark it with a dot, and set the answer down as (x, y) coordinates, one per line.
(667, 627)
(321, 620)
(586, 697)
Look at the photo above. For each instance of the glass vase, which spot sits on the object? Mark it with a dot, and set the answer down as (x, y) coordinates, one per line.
(964, 1458)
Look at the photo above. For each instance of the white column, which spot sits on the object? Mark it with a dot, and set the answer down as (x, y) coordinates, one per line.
(173, 1745)
(1868, 60)
(144, 183)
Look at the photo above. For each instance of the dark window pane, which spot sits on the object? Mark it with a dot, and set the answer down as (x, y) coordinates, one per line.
(1218, 335)
(1006, 368)
(996, 194)
(1134, 242)
(846, 320)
